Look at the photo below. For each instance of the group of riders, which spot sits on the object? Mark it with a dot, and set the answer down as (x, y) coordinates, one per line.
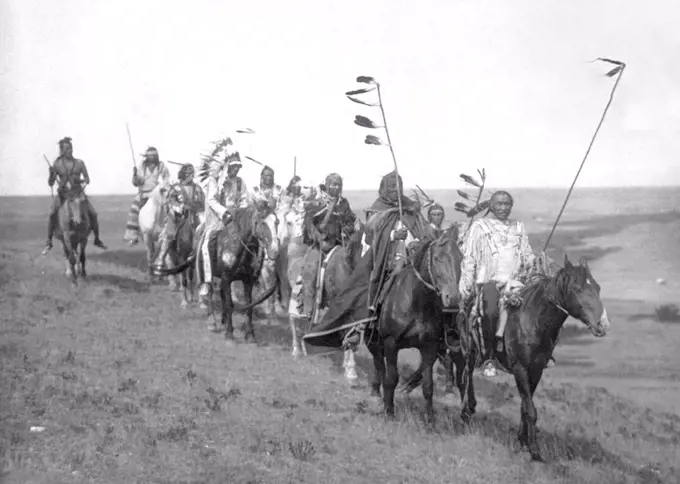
(495, 247)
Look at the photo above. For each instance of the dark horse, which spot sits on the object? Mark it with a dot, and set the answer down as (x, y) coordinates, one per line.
(180, 247)
(411, 316)
(237, 252)
(73, 230)
(530, 336)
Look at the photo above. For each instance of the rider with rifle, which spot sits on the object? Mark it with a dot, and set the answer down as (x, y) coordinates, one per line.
(153, 171)
(71, 176)
(328, 223)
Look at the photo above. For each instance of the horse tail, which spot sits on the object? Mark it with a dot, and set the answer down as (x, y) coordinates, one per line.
(180, 268)
(261, 299)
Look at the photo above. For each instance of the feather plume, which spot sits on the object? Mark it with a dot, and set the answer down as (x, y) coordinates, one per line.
(374, 140)
(614, 71)
(461, 207)
(360, 91)
(366, 80)
(365, 122)
(359, 101)
(480, 207)
(463, 194)
(471, 181)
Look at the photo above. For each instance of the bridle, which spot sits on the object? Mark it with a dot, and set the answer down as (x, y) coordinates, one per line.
(428, 255)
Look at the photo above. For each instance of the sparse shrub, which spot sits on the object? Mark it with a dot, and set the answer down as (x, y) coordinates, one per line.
(302, 450)
(668, 313)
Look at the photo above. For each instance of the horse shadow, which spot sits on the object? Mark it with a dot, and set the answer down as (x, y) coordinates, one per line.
(124, 284)
(133, 259)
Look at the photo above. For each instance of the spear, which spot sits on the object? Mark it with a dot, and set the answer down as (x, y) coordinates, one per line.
(367, 123)
(294, 166)
(132, 151)
(48, 164)
(618, 69)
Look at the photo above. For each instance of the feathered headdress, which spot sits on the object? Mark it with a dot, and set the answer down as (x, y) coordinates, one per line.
(223, 153)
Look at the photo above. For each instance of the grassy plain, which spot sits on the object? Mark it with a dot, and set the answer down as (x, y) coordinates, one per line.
(129, 388)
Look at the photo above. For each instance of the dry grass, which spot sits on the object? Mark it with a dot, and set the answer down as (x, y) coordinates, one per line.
(130, 389)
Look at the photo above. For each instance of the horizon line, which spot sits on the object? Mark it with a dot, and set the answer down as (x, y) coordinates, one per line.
(589, 187)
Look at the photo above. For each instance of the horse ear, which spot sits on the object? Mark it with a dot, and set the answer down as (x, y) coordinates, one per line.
(567, 263)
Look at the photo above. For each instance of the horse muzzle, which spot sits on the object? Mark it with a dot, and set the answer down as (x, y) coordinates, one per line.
(450, 298)
(602, 327)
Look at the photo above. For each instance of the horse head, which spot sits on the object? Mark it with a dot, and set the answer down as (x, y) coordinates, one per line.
(442, 261)
(266, 229)
(579, 295)
(73, 206)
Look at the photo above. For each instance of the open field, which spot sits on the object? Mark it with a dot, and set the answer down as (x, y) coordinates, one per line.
(130, 389)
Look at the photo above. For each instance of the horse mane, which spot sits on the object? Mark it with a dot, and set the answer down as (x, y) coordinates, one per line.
(543, 287)
(244, 219)
(447, 236)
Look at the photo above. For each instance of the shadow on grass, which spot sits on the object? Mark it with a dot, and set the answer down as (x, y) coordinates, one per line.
(133, 258)
(125, 284)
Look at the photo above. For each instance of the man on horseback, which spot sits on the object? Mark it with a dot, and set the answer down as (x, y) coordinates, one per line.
(390, 235)
(72, 177)
(435, 217)
(328, 223)
(184, 198)
(153, 172)
(225, 191)
(267, 192)
(496, 250)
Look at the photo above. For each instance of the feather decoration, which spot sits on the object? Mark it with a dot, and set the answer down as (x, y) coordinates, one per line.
(364, 122)
(374, 140)
(366, 80)
(471, 181)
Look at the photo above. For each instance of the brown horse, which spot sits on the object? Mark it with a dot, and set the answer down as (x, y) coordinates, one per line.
(73, 229)
(411, 316)
(530, 336)
(237, 253)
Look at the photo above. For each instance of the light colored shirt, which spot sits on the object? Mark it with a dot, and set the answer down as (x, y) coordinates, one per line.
(149, 177)
(494, 250)
(220, 199)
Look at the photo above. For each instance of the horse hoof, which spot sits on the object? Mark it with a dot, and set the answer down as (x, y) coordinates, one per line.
(466, 417)
(184, 305)
(229, 339)
(537, 457)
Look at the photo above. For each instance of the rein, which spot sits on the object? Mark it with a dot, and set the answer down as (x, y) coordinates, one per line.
(428, 254)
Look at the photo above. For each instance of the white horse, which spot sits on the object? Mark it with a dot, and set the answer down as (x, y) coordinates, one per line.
(151, 219)
(292, 257)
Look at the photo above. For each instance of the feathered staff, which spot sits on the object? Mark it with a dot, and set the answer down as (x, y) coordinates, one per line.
(365, 122)
(478, 207)
(618, 69)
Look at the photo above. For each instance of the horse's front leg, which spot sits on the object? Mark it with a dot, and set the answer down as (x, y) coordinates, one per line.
(248, 295)
(350, 366)
(83, 272)
(527, 381)
(70, 259)
(391, 376)
(379, 373)
(428, 356)
(469, 403)
(227, 309)
(185, 288)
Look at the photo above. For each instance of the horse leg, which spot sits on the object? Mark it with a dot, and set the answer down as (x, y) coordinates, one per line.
(70, 259)
(428, 356)
(250, 329)
(378, 379)
(227, 309)
(185, 289)
(296, 342)
(469, 401)
(350, 367)
(391, 376)
(83, 272)
(527, 381)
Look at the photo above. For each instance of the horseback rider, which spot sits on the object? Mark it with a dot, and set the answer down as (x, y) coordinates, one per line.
(267, 192)
(225, 191)
(185, 197)
(435, 217)
(390, 235)
(328, 223)
(153, 172)
(496, 249)
(72, 177)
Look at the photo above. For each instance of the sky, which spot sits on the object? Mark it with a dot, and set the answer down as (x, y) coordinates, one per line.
(466, 84)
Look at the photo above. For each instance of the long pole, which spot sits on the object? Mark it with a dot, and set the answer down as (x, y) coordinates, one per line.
(132, 151)
(394, 158)
(48, 164)
(294, 165)
(597, 130)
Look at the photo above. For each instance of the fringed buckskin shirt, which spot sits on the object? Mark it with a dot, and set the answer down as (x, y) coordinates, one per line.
(494, 250)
